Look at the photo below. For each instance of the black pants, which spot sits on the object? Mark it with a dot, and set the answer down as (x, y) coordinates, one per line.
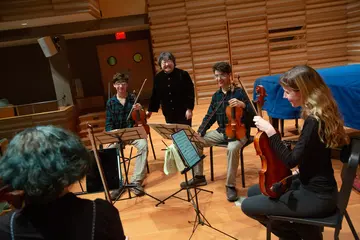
(177, 117)
(297, 202)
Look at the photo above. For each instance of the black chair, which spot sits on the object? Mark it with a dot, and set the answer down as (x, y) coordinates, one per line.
(250, 140)
(348, 174)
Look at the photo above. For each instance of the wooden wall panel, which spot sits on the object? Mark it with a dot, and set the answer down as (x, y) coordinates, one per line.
(170, 32)
(326, 33)
(208, 35)
(248, 40)
(258, 37)
(353, 31)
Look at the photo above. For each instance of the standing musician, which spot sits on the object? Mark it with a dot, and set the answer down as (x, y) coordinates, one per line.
(216, 113)
(314, 193)
(174, 90)
(42, 163)
(117, 110)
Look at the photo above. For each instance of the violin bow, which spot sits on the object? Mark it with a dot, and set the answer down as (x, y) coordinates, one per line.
(247, 94)
(137, 97)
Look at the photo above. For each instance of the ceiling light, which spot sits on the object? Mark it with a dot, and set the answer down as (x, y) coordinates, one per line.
(24, 24)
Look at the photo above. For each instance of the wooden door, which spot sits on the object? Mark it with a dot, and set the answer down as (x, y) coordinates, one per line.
(129, 57)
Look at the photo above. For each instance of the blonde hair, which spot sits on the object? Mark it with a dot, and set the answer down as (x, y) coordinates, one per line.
(317, 101)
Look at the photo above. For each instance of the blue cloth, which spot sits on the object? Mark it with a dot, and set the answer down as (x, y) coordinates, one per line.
(343, 81)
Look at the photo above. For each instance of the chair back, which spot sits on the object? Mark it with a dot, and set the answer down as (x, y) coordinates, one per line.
(348, 174)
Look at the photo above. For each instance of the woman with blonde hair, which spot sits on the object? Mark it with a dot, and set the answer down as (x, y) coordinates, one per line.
(314, 191)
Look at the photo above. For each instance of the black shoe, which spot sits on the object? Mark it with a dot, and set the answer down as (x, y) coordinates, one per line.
(196, 181)
(231, 194)
(139, 190)
(116, 194)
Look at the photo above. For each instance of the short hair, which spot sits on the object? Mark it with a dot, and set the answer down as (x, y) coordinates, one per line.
(166, 56)
(120, 77)
(222, 67)
(42, 161)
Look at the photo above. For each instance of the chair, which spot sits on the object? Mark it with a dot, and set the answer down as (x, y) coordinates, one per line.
(348, 174)
(250, 140)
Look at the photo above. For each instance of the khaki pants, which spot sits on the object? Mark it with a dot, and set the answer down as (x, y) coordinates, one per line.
(141, 146)
(233, 150)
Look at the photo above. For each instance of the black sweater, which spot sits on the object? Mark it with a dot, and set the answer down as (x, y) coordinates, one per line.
(67, 218)
(312, 156)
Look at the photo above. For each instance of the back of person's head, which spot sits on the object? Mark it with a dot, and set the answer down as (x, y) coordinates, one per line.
(43, 161)
(166, 56)
(120, 78)
(318, 102)
(223, 67)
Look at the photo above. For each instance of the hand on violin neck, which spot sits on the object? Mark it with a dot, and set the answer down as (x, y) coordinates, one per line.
(137, 106)
(264, 126)
(148, 114)
(236, 103)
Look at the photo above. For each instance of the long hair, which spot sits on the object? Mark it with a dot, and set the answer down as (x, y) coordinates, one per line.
(317, 101)
(42, 161)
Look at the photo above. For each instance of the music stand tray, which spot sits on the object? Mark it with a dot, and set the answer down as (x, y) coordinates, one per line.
(120, 136)
(191, 157)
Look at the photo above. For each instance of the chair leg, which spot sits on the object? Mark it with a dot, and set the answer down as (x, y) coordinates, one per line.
(147, 166)
(242, 167)
(268, 230)
(152, 148)
(356, 237)
(211, 164)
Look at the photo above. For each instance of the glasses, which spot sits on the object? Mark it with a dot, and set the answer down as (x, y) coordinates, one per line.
(222, 76)
(120, 83)
(163, 62)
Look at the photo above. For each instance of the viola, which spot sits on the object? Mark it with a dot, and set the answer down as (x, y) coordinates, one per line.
(274, 176)
(139, 116)
(235, 129)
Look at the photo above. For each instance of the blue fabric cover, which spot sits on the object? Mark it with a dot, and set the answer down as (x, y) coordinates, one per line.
(344, 82)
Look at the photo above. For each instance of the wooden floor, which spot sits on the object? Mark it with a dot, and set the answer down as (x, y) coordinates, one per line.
(142, 220)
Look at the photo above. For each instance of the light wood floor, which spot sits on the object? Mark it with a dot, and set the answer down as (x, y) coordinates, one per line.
(142, 220)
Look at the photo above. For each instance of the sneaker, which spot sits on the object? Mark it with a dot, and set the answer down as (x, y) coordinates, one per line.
(116, 194)
(231, 194)
(196, 181)
(139, 190)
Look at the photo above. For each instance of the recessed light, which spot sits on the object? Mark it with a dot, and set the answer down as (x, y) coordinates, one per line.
(24, 24)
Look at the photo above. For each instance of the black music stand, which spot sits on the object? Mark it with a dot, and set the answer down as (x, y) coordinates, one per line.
(121, 136)
(166, 131)
(191, 157)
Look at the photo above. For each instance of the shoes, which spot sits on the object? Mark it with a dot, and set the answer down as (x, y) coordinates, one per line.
(231, 194)
(196, 181)
(139, 190)
(116, 194)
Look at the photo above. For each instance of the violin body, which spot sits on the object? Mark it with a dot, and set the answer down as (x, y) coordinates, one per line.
(139, 116)
(273, 170)
(235, 129)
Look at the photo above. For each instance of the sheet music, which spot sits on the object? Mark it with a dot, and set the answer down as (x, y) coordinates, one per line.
(186, 149)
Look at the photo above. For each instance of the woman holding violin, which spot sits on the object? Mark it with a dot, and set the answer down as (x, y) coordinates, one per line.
(118, 109)
(231, 98)
(39, 166)
(314, 192)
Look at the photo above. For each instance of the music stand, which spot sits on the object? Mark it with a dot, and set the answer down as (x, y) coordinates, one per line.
(166, 131)
(120, 136)
(190, 157)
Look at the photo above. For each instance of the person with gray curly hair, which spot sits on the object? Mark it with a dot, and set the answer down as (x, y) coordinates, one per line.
(44, 162)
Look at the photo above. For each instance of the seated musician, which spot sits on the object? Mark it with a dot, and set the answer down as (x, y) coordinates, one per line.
(117, 110)
(216, 113)
(314, 193)
(44, 162)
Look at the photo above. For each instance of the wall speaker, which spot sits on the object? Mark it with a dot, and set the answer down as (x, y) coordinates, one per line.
(48, 47)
